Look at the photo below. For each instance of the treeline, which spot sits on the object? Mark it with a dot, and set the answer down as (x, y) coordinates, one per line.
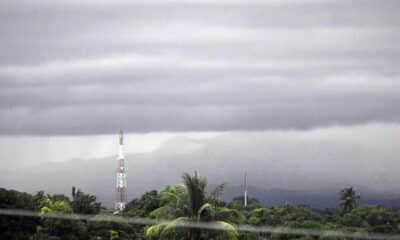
(181, 205)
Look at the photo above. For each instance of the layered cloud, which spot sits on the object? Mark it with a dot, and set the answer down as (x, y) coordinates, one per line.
(69, 67)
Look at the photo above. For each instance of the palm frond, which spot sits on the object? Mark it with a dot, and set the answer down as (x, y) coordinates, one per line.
(175, 228)
(154, 231)
(227, 231)
(202, 208)
(164, 212)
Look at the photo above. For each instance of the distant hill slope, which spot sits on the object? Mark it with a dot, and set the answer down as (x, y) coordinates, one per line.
(327, 199)
(281, 180)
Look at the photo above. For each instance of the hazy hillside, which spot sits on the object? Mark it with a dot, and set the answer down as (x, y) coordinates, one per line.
(97, 177)
(220, 159)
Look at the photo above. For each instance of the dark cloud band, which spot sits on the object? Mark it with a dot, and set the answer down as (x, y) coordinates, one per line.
(72, 69)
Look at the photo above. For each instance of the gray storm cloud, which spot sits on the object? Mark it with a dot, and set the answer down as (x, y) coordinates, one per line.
(69, 67)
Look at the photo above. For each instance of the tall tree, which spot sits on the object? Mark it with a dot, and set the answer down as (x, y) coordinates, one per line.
(348, 199)
(58, 228)
(16, 227)
(196, 189)
(84, 203)
(143, 206)
(191, 205)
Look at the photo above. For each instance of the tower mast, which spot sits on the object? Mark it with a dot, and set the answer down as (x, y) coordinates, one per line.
(120, 201)
(245, 189)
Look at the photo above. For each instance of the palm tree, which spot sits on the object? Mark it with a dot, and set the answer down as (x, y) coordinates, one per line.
(348, 199)
(192, 205)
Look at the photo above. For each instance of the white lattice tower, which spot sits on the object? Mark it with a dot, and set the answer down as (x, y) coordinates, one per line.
(120, 201)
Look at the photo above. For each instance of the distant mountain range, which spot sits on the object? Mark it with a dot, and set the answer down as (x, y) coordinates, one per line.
(280, 180)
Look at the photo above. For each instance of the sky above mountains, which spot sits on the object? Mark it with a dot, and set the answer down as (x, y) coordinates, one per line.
(93, 67)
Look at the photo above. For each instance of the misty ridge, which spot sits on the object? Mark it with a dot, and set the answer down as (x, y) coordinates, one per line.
(301, 166)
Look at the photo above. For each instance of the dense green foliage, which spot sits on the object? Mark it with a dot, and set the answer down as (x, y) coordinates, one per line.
(184, 204)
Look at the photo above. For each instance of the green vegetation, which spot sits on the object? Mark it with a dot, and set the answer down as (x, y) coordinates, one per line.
(182, 205)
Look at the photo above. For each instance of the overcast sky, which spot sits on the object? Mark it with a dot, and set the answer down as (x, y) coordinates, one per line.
(92, 67)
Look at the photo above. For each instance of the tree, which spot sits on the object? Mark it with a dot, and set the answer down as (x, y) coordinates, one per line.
(16, 227)
(196, 189)
(283, 215)
(238, 203)
(143, 206)
(190, 204)
(84, 203)
(60, 197)
(101, 229)
(58, 228)
(286, 215)
(372, 218)
(348, 199)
